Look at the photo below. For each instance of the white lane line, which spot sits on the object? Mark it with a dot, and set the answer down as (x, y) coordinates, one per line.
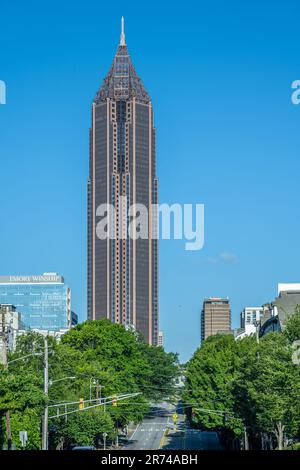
(131, 437)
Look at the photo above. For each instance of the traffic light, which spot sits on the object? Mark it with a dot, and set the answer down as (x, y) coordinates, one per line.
(81, 403)
(114, 400)
(175, 418)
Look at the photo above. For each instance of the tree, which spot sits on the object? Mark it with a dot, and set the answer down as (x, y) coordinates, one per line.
(84, 428)
(267, 389)
(209, 383)
(292, 327)
(158, 381)
(117, 359)
(252, 385)
(27, 420)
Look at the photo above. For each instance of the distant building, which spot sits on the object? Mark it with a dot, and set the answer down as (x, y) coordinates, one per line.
(44, 302)
(215, 317)
(288, 287)
(277, 312)
(250, 320)
(287, 301)
(74, 319)
(160, 338)
(10, 325)
(271, 325)
(57, 334)
(251, 316)
(240, 333)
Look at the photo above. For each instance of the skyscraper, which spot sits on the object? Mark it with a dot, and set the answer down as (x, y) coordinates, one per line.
(123, 272)
(215, 317)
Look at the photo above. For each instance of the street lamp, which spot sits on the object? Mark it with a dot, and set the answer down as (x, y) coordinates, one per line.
(24, 357)
(51, 382)
(94, 383)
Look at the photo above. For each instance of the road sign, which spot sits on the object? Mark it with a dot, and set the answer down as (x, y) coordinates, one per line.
(23, 438)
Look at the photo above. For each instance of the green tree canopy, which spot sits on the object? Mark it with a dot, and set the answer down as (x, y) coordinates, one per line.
(116, 359)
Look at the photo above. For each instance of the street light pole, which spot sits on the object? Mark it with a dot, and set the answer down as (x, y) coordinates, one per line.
(257, 324)
(246, 442)
(98, 388)
(5, 363)
(94, 383)
(98, 391)
(104, 440)
(46, 388)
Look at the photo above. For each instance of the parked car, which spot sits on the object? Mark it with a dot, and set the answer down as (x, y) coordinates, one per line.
(84, 448)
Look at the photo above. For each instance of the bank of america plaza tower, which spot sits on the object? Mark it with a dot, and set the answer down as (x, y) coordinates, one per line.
(123, 271)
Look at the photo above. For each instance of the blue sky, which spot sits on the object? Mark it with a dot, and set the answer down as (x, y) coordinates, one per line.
(219, 74)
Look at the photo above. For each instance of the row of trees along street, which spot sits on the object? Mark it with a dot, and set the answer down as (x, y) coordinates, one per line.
(246, 390)
(118, 361)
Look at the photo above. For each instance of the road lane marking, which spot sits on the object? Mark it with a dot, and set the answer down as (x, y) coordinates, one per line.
(131, 437)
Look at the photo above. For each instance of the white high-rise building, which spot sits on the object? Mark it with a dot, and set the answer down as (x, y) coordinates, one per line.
(251, 316)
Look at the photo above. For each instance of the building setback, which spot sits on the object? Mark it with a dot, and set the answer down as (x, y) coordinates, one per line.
(123, 273)
(215, 317)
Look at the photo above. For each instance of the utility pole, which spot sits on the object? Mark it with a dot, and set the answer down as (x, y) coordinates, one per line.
(257, 331)
(46, 386)
(257, 325)
(104, 440)
(7, 413)
(246, 442)
(98, 391)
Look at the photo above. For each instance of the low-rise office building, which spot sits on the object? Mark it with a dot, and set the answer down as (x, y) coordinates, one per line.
(44, 302)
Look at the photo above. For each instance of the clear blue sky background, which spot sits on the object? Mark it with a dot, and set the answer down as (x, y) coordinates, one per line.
(219, 74)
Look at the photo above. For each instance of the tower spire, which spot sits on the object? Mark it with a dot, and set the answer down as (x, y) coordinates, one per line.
(122, 38)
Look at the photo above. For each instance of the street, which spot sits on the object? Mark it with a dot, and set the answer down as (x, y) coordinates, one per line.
(157, 431)
(149, 433)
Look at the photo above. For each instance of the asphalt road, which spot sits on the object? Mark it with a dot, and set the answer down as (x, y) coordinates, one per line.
(192, 439)
(149, 433)
(182, 437)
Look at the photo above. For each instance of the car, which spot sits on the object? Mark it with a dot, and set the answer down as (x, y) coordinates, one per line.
(84, 448)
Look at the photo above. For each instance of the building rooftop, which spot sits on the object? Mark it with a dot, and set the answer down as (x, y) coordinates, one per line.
(288, 287)
(46, 278)
(216, 299)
